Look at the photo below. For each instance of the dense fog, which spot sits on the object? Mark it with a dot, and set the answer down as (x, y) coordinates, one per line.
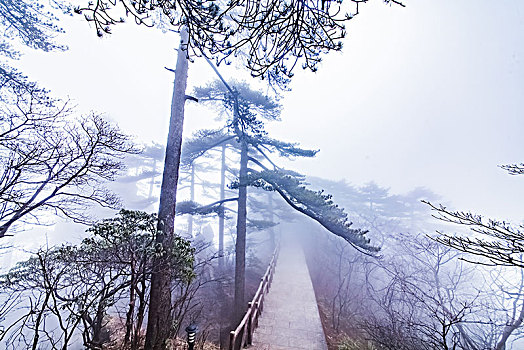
(392, 164)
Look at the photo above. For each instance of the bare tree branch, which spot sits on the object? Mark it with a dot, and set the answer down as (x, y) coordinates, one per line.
(50, 160)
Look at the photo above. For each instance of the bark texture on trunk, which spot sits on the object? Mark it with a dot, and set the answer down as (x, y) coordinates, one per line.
(239, 306)
(221, 217)
(159, 316)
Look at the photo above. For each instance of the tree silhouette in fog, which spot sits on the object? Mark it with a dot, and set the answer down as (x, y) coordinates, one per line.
(245, 111)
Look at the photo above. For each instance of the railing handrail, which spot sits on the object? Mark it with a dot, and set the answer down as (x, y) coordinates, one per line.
(255, 307)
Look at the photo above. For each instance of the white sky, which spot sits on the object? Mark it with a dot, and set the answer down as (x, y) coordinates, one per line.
(428, 95)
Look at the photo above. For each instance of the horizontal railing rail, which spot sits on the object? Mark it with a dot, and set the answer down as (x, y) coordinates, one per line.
(242, 336)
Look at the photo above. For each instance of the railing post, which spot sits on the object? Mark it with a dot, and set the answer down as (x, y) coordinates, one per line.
(242, 337)
(232, 340)
(255, 321)
(260, 305)
(250, 324)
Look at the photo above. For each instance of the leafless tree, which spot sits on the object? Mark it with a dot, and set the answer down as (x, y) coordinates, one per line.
(501, 298)
(421, 298)
(52, 161)
(494, 242)
(420, 294)
(337, 280)
(505, 244)
(40, 315)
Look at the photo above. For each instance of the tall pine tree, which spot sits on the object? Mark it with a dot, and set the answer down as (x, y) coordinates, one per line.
(245, 111)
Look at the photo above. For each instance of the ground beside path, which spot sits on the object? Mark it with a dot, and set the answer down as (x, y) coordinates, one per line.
(290, 319)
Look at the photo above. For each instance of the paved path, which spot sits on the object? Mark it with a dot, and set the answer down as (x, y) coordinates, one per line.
(290, 319)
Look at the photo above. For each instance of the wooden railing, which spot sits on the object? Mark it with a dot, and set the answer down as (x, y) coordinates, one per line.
(242, 336)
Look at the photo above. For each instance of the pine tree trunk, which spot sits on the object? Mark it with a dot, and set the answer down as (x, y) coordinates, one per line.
(131, 310)
(140, 313)
(159, 316)
(239, 306)
(221, 217)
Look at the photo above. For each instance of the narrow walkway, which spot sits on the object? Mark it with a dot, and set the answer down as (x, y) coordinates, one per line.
(290, 319)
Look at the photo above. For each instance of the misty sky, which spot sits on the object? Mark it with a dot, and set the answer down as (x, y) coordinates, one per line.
(428, 95)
